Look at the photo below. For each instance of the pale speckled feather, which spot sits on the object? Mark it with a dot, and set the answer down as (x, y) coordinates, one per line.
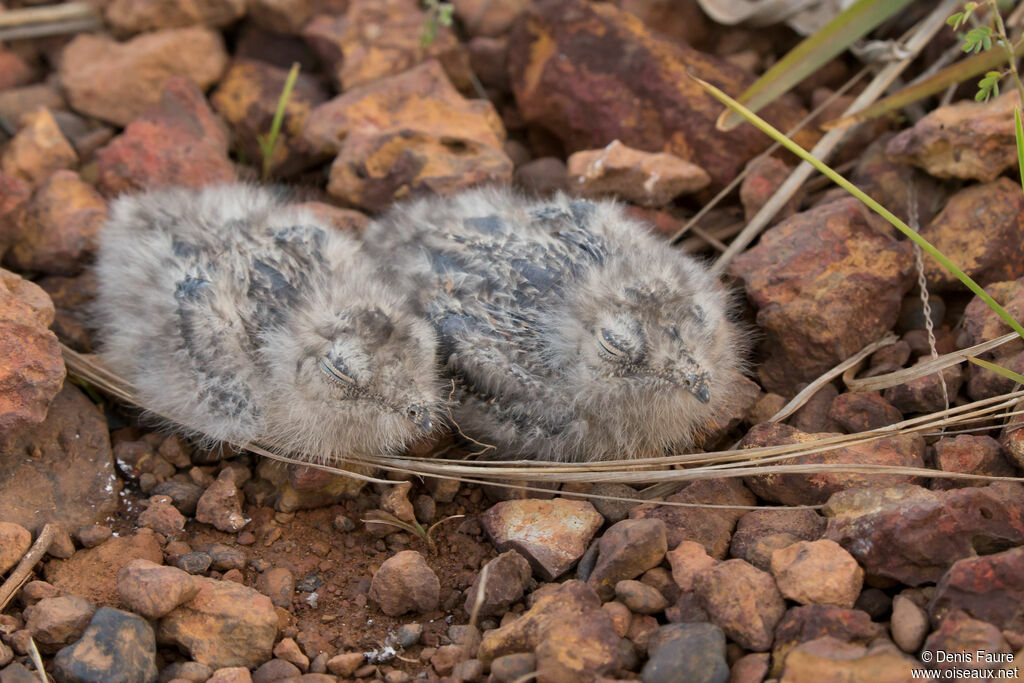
(222, 305)
(570, 331)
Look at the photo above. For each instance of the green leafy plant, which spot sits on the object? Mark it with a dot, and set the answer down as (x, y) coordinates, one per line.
(980, 39)
(414, 527)
(268, 142)
(438, 14)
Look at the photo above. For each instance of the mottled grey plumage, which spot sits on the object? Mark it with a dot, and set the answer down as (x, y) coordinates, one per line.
(244, 319)
(570, 331)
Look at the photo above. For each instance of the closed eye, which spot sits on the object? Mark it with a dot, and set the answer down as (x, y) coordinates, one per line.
(334, 373)
(609, 344)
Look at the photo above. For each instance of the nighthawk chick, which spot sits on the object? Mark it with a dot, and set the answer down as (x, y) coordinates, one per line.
(246, 320)
(572, 334)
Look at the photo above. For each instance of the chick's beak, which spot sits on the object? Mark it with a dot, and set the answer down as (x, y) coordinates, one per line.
(698, 386)
(420, 417)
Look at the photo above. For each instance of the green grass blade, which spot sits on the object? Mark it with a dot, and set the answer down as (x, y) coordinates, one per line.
(998, 369)
(951, 75)
(1018, 131)
(269, 143)
(853, 23)
(842, 182)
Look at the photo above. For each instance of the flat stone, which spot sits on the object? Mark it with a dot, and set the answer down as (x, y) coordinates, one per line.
(626, 550)
(650, 179)
(686, 652)
(863, 411)
(58, 621)
(551, 534)
(828, 658)
(153, 590)
(117, 647)
(92, 573)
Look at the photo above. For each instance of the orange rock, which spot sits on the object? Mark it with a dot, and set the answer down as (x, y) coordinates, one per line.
(130, 16)
(60, 226)
(38, 149)
(118, 81)
(92, 572)
(342, 219)
(645, 178)
(819, 572)
(379, 38)
(14, 192)
(13, 70)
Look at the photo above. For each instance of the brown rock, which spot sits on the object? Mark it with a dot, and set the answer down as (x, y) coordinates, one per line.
(551, 534)
(488, 58)
(971, 455)
(812, 489)
(153, 590)
(913, 535)
(826, 282)
(687, 560)
(806, 623)
(862, 411)
(1013, 442)
(278, 584)
(71, 297)
(15, 540)
(829, 659)
(488, 17)
(14, 71)
(759, 533)
(247, 97)
(445, 658)
(231, 674)
(60, 226)
(989, 588)
(38, 149)
(285, 16)
(32, 370)
(221, 505)
(225, 624)
(348, 220)
(508, 576)
(639, 597)
(117, 82)
(178, 141)
(128, 16)
(564, 81)
(345, 664)
(568, 619)
(709, 526)
(626, 550)
(764, 176)
(67, 465)
(379, 38)
(92, 573)
(924, 394)
(752, 668)
(895, 184)
(14, 193)
(650, 179)
(288, 650)
(743, 601)
(909, 624)
(818, 572)
(405, 583)
(982, 231)
(967, 140)
(420, 99)
(812, 416)
(92, 535)
(958, 633)
(981, 323)
(373, 170)
(297, 487)
(56, 622)
(543, 176)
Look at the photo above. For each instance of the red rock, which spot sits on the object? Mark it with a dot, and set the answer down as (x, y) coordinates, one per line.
(488, 17)
(15, 540)
(709, 526)
(966, 139)
(420, 99)
(958, 633)
(818, 572)
(989, 588)
(551, 534)
(971, 455)
(278, 584)
(895, 184)
(14, 193)
(829, 659)
(982, 231)
(687, 560)
(247, 97)
(914, 535)
(221, 505)
(626, 550)
(924, 394)
(812, 416)
(764, 176)
(565, 81)
(760, 532)
(981, 323)
(32, 370)
(573, 637)
(405, 583)
(153, 590)
(128, 16)
(345, 664)
(488, 58)
(445, 658)
(826, 282)
(812, 489)
(92, 573)
(743, 601)
(288, 650)
(379, 38)
(117, 82)
(177, 142)
(861, 411)
(14, 71)
(807, 623)
(38, 149)
(508, 576)
(60, 226)
(92, 535)
(71, 297)
(225, 624)
(752, 668)
(67, 465)
(645, 178)
(56, 622)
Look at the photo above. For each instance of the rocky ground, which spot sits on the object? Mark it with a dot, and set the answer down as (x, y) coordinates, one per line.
(170, 562)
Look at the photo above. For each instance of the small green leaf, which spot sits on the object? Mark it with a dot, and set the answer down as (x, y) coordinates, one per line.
(1019, 132)
(998, 369)
(268, 142)
(954, 20)
(977, 38)
(988, 86)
